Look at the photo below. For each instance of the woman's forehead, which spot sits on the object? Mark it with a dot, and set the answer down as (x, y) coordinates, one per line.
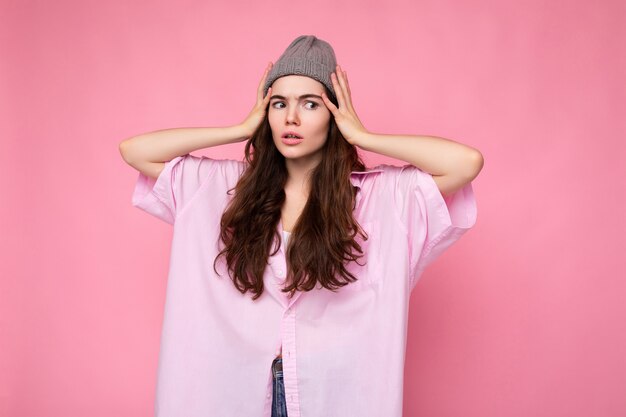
(296, 85)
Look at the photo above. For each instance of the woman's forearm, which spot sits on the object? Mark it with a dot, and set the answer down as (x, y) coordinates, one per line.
(435, 155)
(165, 145)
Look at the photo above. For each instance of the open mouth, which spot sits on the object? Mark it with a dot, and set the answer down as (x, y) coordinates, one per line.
(291, 135)
(291, 138)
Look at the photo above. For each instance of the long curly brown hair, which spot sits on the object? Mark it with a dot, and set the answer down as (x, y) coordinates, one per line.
(324, 234)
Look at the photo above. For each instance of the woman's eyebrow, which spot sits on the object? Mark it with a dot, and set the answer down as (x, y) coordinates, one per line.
(299, 98)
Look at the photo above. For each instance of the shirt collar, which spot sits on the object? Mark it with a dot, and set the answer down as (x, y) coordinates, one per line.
(356, 177)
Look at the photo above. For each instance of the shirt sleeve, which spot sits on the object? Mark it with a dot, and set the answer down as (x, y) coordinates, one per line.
(433, 222)
(179, 181)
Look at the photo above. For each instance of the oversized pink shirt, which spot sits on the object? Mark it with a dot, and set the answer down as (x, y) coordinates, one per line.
(343, 353)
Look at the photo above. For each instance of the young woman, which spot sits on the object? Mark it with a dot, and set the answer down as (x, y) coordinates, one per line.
(291, 271)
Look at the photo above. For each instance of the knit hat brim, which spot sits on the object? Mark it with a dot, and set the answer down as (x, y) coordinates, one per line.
(308, 56)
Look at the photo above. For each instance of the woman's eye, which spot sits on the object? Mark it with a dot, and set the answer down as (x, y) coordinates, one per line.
(315, 105)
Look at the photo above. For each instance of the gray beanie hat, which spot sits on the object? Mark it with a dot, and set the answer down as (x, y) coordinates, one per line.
(306, 55)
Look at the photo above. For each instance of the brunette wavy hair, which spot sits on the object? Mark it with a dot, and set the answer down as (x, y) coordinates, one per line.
(324, 234)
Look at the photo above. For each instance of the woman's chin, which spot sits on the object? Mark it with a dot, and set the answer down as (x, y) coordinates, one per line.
(292, 153)
(298, 153)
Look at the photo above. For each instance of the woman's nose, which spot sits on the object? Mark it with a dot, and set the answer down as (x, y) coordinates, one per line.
(292, 116)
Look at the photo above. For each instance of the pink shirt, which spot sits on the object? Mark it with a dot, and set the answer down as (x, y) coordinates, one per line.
(343, 353)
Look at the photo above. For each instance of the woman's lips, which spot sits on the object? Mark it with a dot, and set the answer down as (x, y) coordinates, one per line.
(291, 141)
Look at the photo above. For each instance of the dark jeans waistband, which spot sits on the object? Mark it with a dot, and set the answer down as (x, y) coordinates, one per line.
(277, 367)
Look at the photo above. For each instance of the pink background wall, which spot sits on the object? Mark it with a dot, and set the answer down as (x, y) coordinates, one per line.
(525, 316)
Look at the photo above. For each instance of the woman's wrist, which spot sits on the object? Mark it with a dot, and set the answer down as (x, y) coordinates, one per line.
(241, 132)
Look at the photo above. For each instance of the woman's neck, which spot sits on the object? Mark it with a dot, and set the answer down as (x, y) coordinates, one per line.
(299, 172)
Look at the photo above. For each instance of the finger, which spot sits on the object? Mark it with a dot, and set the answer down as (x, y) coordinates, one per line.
(338, 90)
(267, 96)
(341, 94)
(329, 104)
(344, 85)
(349, 93)
(263, 79)
(345, 76)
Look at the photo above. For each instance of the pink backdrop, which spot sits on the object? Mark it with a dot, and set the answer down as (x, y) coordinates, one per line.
(523, 317)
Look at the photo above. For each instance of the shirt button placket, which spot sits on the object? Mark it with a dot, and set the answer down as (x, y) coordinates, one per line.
(289, 361)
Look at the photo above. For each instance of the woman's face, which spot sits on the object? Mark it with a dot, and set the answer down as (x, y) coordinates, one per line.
(291, 109)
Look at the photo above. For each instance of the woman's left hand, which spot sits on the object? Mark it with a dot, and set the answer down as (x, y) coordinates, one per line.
(347, 121)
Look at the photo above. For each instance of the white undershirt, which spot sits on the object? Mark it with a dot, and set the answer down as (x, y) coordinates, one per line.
(286, 236)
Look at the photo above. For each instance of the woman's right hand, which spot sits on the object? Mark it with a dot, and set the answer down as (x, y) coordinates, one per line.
(257, 114)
